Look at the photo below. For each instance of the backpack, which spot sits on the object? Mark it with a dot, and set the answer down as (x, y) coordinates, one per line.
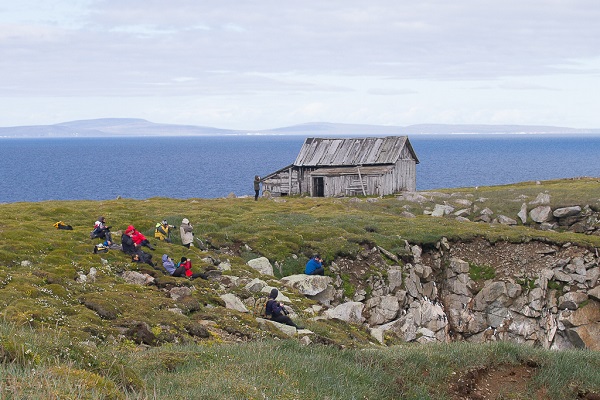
(62, 225)
(260, 308)
(100, 248)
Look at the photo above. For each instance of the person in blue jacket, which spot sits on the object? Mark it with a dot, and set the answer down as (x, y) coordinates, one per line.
(314, 266)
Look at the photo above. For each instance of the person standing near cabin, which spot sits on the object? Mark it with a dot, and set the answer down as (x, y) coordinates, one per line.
(186, 233)
(256, 187)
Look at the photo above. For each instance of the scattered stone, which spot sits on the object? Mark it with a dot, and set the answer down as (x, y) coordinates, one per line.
(233, 302)
(541, 199)
(262, 265)
(541, 214)
(567, 212)
(523, 213)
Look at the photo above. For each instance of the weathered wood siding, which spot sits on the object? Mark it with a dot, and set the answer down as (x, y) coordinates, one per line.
(282, 183)
(348, 167)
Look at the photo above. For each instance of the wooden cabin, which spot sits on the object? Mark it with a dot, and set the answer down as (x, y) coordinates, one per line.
(347, 167)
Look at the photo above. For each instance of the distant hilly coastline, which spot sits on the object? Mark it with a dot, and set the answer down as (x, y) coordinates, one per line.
(127, 127)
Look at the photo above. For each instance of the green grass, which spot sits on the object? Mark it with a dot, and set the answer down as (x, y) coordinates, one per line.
(76, 336)
(65, 368)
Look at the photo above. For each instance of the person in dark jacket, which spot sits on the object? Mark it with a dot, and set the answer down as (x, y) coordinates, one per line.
(277, 311)
(256, 187)
(128, 246)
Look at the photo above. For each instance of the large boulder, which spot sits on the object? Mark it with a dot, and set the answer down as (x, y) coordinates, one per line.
(349, 312)
(382, 309)
(307, 284)
(262, 265)
(541, 214)
(566, 212)
(233, 302)
(256, 285)
(286, 329)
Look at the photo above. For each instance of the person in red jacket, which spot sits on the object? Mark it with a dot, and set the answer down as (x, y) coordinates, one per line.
(187, 265)
(138, 238)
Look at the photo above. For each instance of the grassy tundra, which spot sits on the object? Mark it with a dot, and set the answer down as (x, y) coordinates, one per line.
(63, 339)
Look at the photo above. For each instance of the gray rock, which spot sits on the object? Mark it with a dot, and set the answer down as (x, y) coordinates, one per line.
(541, 214)
(233, 302)
(349, 312)
(441, 209)
(256, 285)
(412, 197)
(286, 329)
(487, 211)
(523, 213)
(566, 211)
(262, 265)
(504, 220)
(382, 309)
(177, 292)
(307, 284)
(136, 278)
(462, 213)
(541, 199)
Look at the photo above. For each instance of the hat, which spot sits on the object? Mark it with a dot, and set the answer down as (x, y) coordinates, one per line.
(164, 222)
(274, 293)
(130, 228)
(165, 258)
(185, 221)
(183, 259)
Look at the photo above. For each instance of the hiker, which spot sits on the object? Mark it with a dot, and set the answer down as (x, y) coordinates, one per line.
(138, 238)
(128, 246)
(162, 231)
(277, 311)
(185, 231)
(256, 187)
(181, 269)
(314, 266)
(101, 230)
(187, 265)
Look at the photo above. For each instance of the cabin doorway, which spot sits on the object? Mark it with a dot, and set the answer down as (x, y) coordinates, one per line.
(318, 187)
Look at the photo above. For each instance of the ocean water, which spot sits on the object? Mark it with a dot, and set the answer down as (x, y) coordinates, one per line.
(210, 167)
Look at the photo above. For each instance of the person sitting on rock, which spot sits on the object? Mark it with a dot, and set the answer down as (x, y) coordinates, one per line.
(276, 311)
(314, 266)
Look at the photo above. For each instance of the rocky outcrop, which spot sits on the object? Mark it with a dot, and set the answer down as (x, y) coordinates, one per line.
(439, 295)
(536, 293)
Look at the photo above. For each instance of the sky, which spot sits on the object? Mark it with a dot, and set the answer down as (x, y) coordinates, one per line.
(267, 64)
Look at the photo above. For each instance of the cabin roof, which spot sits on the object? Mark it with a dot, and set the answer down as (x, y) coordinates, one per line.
(321, 152)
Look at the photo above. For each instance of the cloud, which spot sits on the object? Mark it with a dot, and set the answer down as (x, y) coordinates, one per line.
(257, 51)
